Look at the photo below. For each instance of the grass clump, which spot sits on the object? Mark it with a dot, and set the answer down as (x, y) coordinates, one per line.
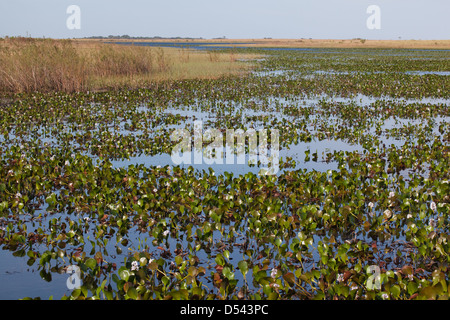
(28, 65)
(44, 65)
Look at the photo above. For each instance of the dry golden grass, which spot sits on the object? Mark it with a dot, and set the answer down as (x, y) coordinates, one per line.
(320, 43)
(28, 65)
(178, 64)
(354, 43)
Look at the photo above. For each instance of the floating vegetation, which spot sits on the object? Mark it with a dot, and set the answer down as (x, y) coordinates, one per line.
(87, 184)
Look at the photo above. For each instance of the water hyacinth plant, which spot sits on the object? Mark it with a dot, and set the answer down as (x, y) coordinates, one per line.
(87, 181)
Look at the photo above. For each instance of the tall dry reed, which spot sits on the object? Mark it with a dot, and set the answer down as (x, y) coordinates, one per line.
(29, 64)
(40, 65)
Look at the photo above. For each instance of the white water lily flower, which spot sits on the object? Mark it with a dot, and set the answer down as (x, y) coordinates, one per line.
(391, 194)
(387, 214)
(432, 223)
(273, 273)
(433, 206)
(165, 233)
(371, 205)
(384, 296)
(134, 266)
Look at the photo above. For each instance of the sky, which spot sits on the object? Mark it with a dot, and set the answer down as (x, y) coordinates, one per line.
(233, 19)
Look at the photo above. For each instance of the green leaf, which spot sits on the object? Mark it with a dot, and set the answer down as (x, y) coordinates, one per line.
(243, 266)
(91, 263)
(124, 273)
(108, 295)
(51, 199)
(165, 280)
(192, 271)
(220, 260)
(153, 266)
(45, 257)
(178, 260)
(207, 227)
(76, 293)
(132, 293)
(228, 273)
(412, 287)
(278, 242)
(395, 291)
(428, 292)
(3, 206)
(289, 278)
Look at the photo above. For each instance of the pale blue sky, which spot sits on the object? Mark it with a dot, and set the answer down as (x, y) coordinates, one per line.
(334, 19)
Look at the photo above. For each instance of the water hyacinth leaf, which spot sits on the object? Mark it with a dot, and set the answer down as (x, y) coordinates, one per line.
(3, 206)
(395, 291)
(429, 293)
(412, 287)
(91, 263)
(45, 258)
(228, 273)
(289, 277)
(192, 271)
(165, 280)
(51, 200)
(124, 273)
(243, 267)
(132, 293)
(153, 266)
(178, 260)
(220, 260)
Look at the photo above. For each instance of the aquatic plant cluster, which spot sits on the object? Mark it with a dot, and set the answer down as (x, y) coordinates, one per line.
(86, 181)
